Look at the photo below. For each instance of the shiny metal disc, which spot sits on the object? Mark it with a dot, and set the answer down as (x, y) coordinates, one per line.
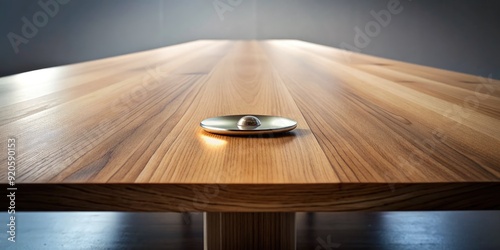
(247, 124)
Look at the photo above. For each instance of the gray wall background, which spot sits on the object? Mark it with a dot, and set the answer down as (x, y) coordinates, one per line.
(457, 35)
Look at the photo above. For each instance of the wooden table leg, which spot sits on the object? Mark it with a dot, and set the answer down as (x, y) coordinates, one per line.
(249, 231)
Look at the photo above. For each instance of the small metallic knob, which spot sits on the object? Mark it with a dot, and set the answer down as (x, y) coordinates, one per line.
(247, 124)
(248, 121)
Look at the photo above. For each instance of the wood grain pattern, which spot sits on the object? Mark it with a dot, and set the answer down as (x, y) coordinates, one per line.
(252, 197)
(247, 231)
(133, 120)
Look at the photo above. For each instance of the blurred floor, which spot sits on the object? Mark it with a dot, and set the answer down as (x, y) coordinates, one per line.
(316, 231)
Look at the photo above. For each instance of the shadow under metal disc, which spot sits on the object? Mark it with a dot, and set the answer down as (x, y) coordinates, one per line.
(247, 124)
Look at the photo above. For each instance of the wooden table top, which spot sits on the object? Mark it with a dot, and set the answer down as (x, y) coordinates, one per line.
(367, 126)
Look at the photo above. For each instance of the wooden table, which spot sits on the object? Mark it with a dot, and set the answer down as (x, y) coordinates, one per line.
(123, 134)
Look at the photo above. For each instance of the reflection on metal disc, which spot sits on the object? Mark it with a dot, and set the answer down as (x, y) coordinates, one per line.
(247, 124)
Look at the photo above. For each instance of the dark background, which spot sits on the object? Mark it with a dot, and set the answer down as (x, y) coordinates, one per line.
(456, 35)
